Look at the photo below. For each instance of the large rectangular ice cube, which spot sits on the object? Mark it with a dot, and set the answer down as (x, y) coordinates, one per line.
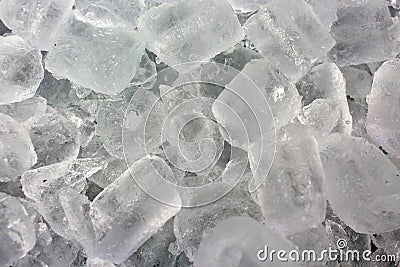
(290, 35)
(100, 58)
(187, 31)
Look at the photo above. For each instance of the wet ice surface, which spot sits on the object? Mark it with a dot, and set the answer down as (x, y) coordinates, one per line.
(183, 133)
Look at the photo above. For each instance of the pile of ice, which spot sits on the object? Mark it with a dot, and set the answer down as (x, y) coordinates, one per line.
(197, 132)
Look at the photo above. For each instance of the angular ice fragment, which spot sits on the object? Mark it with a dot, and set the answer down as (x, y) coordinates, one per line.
(35, 21)
(54, 137)
(254, 102)
(237, 242)
(110, 119)
(17, 154)
(146, 74)
(322, 115)
(115, 168)
(290, 35)
(292, 196)
(26, 109)
(383, 116)
(183, 31)
(124, 216)
(143, 125)
(76, 208)
(325, 81)
(21, 70)
(103, 59)
(362, 184)
(362, 34)
(43, 185)
(17, 233)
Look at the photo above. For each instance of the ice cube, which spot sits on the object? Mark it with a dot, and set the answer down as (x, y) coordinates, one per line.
(43, 185)
(54, 137)
(181, 32)
(35, 21)
(362, 34)
(17, 232)
(125, 216)
(97, 262)
(104, 59)
(241, 241)
(322, 115)
(362, 184)
(358, 82)
(17, 153)
(290, 35)
(326, 81)
(256, 101)
(292, 197)
(21, 70)
(383, 117)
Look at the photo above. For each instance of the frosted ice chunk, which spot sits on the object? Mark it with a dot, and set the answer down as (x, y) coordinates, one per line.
(244, 107)
(124, 216)
(290, 35)
(43, 185)
(322, 115)
(362, 184)
(26, 109)
(362, 34)
(17, 232)
(383, 116)
(21, 70)
(292, 196)
(54, 137)
(183, 31)
(104, 59)
(325, 81)
(17, 154)
(237, 242)
(358, 82)
(191, 224)
(35, 21)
